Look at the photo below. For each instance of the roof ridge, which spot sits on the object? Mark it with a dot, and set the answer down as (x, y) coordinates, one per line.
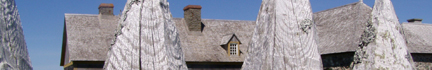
(219, 19)
(74, 14)
(341, 6)
(362, 3)
(427, 24)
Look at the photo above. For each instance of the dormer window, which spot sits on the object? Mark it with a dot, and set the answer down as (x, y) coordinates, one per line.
(231, 44)
(233, 49)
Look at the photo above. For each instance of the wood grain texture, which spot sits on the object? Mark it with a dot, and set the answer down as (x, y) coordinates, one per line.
(13, 48)
(284, 38)
(383, 46)
(339, 29)
(148, 39)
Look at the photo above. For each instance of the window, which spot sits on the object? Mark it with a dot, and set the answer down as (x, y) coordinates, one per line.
(231, 44)
(233, 49)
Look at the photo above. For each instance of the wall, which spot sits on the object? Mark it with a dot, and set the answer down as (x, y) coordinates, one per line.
(422, 61)
(337, 61)
(86, 65)
(214, 65)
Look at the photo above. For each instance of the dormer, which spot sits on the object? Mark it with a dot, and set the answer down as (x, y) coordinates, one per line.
(231, 44)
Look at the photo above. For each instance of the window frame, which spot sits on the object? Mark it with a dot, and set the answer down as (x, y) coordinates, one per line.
(237, 48)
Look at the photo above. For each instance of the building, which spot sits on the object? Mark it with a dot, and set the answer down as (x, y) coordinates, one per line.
(339, 32)
(87, 37)
(222, 44)
(419, 42)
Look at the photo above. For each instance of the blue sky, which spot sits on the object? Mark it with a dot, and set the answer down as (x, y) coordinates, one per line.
(43, 20)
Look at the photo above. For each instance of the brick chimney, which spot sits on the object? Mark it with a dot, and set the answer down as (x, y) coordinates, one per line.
(415, 20)
(192, 16)
(106, 9)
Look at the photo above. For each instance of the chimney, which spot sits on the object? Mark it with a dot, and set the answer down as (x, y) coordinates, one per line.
(415, 20)
(192, 16)
(106, 9)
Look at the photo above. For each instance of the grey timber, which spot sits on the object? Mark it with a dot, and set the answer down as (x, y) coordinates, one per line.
(205, 43)
(13, 49)
(284, 38)
(147, 39)
(382, 43)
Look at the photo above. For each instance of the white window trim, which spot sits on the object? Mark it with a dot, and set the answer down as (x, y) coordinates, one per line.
(236, 48)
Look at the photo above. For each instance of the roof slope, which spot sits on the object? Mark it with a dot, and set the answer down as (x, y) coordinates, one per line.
(339, 29)
(88, 37)
(418, 37)
(205, 45)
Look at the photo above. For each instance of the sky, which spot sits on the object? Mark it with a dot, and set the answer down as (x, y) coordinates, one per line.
(43, 20)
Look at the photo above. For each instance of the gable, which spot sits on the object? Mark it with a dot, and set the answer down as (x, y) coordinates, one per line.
(87, 37)
(229, 38)
(339, 29)
(206, 45)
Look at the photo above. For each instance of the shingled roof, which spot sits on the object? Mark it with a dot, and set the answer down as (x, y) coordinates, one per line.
(339, 29)
(205, 46)
(418, 37)
(227, 38)
(87, 37)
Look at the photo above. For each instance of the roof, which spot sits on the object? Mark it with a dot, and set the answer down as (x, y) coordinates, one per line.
(227, 38)
(205, 46)
(339, 29)
(87, 37)
(418, 37)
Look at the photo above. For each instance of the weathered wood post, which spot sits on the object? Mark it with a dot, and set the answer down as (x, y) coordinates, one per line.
(284, 38)
(13, 48)
(383, 46)
(147, 39)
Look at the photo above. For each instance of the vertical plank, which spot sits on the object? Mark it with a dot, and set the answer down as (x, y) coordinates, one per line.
(148, 39)
(383, 46)
(284, 38)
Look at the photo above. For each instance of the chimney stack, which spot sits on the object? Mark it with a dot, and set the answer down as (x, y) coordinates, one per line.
(192, 16)
(415, 20)
(106, 9)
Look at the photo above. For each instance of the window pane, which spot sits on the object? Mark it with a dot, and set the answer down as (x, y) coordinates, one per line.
(233, 48)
